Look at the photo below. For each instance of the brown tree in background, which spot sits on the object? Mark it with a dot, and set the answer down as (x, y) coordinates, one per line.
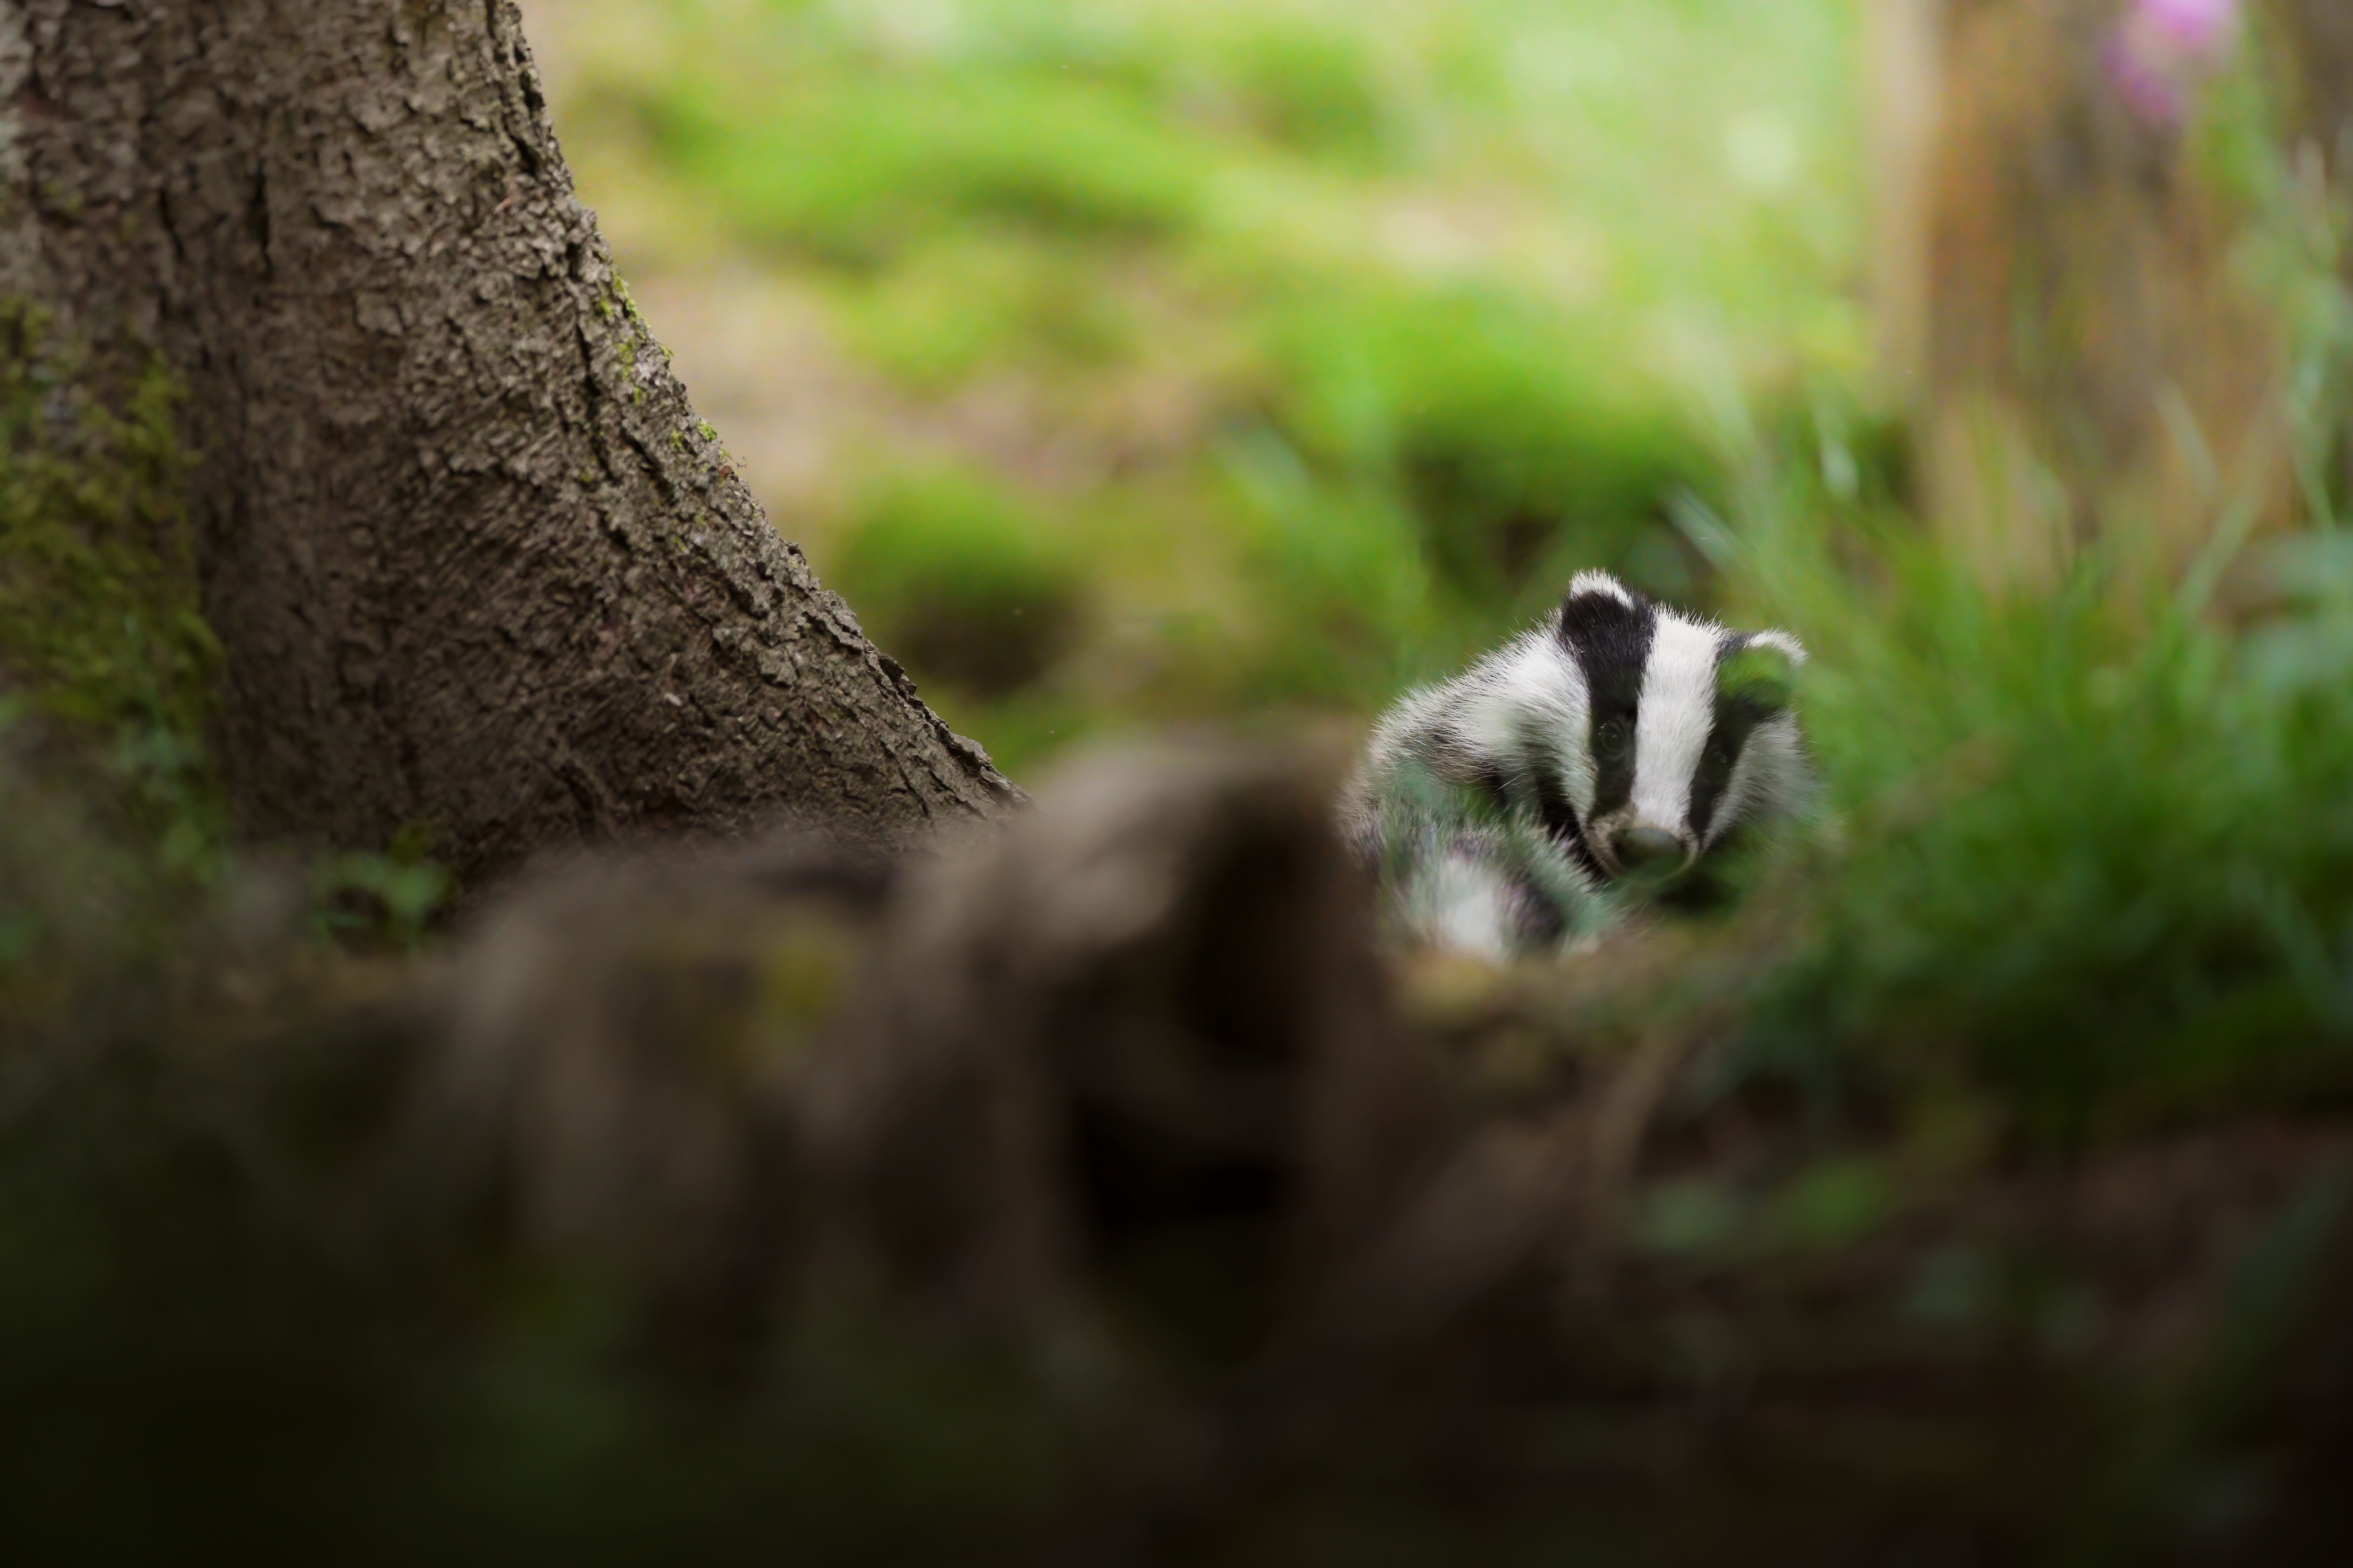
(474, 562)
(2319, 35)
(2062, 308)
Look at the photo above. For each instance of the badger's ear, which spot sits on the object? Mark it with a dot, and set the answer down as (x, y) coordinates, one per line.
(1761, 669)
(1595, 607)
(1603, 586)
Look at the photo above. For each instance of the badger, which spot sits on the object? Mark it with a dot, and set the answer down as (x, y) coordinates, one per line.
(1519, 807)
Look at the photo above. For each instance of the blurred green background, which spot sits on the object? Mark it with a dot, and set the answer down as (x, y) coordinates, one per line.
(1129, 360)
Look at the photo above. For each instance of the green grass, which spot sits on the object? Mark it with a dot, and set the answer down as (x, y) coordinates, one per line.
(2118, 867)
(1368, 323)
(2087, 855)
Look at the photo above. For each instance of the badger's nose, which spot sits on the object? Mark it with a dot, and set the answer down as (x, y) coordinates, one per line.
(1648, 849)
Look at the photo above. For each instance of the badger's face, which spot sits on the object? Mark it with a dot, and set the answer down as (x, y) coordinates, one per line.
(1687, 729)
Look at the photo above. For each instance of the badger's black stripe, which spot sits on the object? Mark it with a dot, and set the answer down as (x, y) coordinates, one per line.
(1539, 767)
(1542, 920)
(1736, 717)
(1538, 771)
(1554, 810)
(1611, 640)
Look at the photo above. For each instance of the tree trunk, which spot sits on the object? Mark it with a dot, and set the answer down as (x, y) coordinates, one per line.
(2318, 38)
(474, 562)
(2061, 305)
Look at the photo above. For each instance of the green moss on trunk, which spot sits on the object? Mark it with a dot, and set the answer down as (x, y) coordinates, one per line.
(102, 639)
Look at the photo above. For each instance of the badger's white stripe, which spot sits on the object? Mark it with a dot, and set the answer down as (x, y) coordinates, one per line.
(1678, 709)
(1601, 583)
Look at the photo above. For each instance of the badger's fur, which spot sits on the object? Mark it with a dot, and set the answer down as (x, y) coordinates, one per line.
(1620, 742)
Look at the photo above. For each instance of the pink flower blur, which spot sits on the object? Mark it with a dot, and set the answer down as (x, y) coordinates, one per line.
(2162, 49)
(2195, 26)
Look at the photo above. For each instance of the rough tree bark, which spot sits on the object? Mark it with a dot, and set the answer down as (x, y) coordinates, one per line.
(473, 559)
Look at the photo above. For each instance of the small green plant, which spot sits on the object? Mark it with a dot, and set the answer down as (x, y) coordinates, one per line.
(387, 900)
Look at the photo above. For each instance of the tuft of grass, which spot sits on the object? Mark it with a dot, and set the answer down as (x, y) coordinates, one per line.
(991, 298)
(1479, 411)
(855, 177)
(956, 573)
(2092, 853)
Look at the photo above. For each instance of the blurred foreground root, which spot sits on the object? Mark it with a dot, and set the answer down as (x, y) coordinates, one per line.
(1150, 1009)
(608, 1069)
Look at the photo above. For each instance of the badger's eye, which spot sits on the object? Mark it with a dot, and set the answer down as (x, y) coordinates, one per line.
(1611, 738)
